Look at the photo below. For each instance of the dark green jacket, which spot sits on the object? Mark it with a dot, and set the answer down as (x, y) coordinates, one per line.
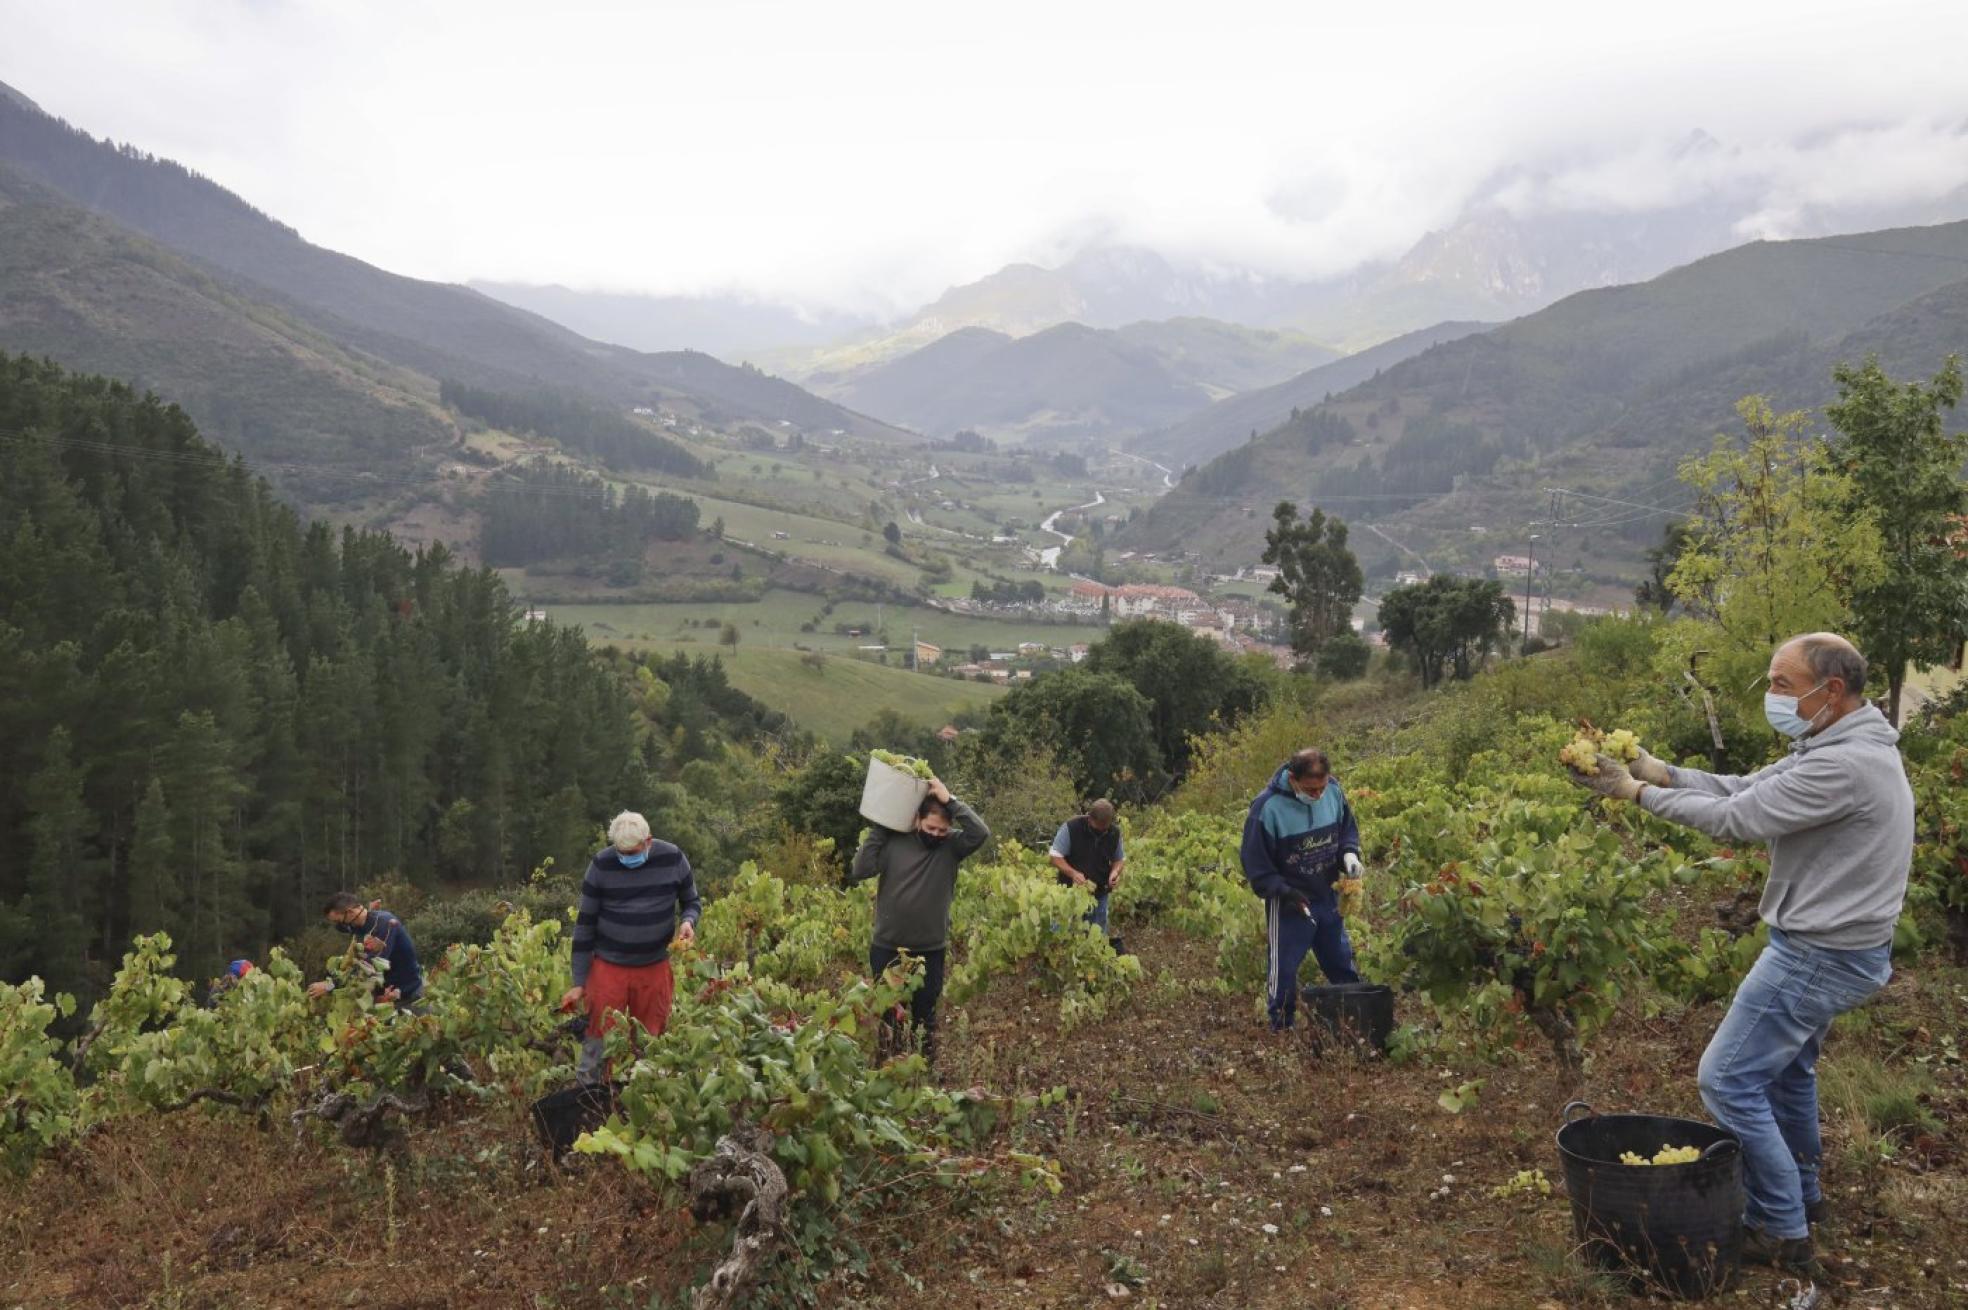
(918, 883)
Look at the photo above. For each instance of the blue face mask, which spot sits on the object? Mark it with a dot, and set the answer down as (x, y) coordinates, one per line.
(1782, 713)
(635, 861)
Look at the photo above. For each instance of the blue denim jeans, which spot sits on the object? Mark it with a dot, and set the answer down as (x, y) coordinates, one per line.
(1759, 1074)
(1097, 916)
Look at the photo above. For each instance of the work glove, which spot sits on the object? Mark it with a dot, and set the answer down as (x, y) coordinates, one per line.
(1612, 781)
(1351, 897)
(1650, 771)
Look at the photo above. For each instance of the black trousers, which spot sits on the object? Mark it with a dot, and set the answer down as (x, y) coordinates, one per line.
(922, 1006)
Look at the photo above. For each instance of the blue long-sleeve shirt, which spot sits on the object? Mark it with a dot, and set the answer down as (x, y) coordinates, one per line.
(394, 948)
(628, 916)
(1294, 846)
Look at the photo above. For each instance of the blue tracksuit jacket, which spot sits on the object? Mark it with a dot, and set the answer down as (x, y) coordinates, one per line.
(1292, 846)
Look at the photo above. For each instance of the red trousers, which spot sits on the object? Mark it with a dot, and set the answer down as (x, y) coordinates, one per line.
(643, 992)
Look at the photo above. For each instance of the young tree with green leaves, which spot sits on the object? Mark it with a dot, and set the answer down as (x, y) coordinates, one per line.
(1316, 573)
(1773, 548)
(1902, 471)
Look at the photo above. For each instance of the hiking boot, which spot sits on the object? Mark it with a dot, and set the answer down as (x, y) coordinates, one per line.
(1793, 1255)
(1814, 1211)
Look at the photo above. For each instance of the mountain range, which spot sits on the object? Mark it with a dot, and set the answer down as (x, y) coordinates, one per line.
(1069, 381)
(1512, 251)
(1209, 432)
(1524, 240)
(1602, 393)
(328, 369)
(139, 263)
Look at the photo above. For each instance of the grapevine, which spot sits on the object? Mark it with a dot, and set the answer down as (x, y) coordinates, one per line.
(1513, 911)
(749, 1051)
(38, 1101)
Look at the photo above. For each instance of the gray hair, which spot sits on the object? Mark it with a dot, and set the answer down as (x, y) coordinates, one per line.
(1831, 656)
(627, 831)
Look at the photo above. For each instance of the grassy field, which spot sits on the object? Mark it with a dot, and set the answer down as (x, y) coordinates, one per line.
(775, 622)
(830, 506)
(840, 696)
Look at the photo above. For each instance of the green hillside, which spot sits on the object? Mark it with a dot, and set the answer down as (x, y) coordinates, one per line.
(1230, 421)
(1227, 357)
(838, 695)
(98, 297)
(1068, 381)
(1603, 392)
(776, 619)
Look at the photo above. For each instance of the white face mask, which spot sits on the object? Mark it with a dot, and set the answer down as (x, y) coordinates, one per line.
(1782, 713)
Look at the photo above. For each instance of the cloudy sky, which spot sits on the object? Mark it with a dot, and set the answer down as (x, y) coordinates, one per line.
(864, 155)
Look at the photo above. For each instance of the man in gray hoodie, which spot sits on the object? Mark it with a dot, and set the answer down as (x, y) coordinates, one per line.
(918, 872)
(1837, 815)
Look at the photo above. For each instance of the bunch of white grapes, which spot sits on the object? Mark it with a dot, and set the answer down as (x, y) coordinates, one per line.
(1666, 1155)
(906, 763)
(1583, 751)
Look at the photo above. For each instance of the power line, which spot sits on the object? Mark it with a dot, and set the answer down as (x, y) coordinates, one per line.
(1630, 504)
(1613, 519)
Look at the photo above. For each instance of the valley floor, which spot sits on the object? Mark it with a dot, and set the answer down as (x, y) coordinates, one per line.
(1186, 1131)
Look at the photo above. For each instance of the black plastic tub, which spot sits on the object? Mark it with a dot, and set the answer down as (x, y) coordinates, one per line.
(1674, 1228)
(1361, 1013)
(561, 1117)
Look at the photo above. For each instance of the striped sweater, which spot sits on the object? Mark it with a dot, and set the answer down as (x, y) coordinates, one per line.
(628, 916)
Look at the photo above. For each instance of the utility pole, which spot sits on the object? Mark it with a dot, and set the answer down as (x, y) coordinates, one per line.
(1530, 572)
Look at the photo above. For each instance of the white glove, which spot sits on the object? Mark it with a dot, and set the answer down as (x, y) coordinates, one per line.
(1650, 771)
(1353, 866)
(1612, 781)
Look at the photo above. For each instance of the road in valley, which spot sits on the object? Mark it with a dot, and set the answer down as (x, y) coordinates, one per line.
(1050, 555)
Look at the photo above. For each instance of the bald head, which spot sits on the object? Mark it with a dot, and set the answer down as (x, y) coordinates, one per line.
(1828, 655)
(1824, 671)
